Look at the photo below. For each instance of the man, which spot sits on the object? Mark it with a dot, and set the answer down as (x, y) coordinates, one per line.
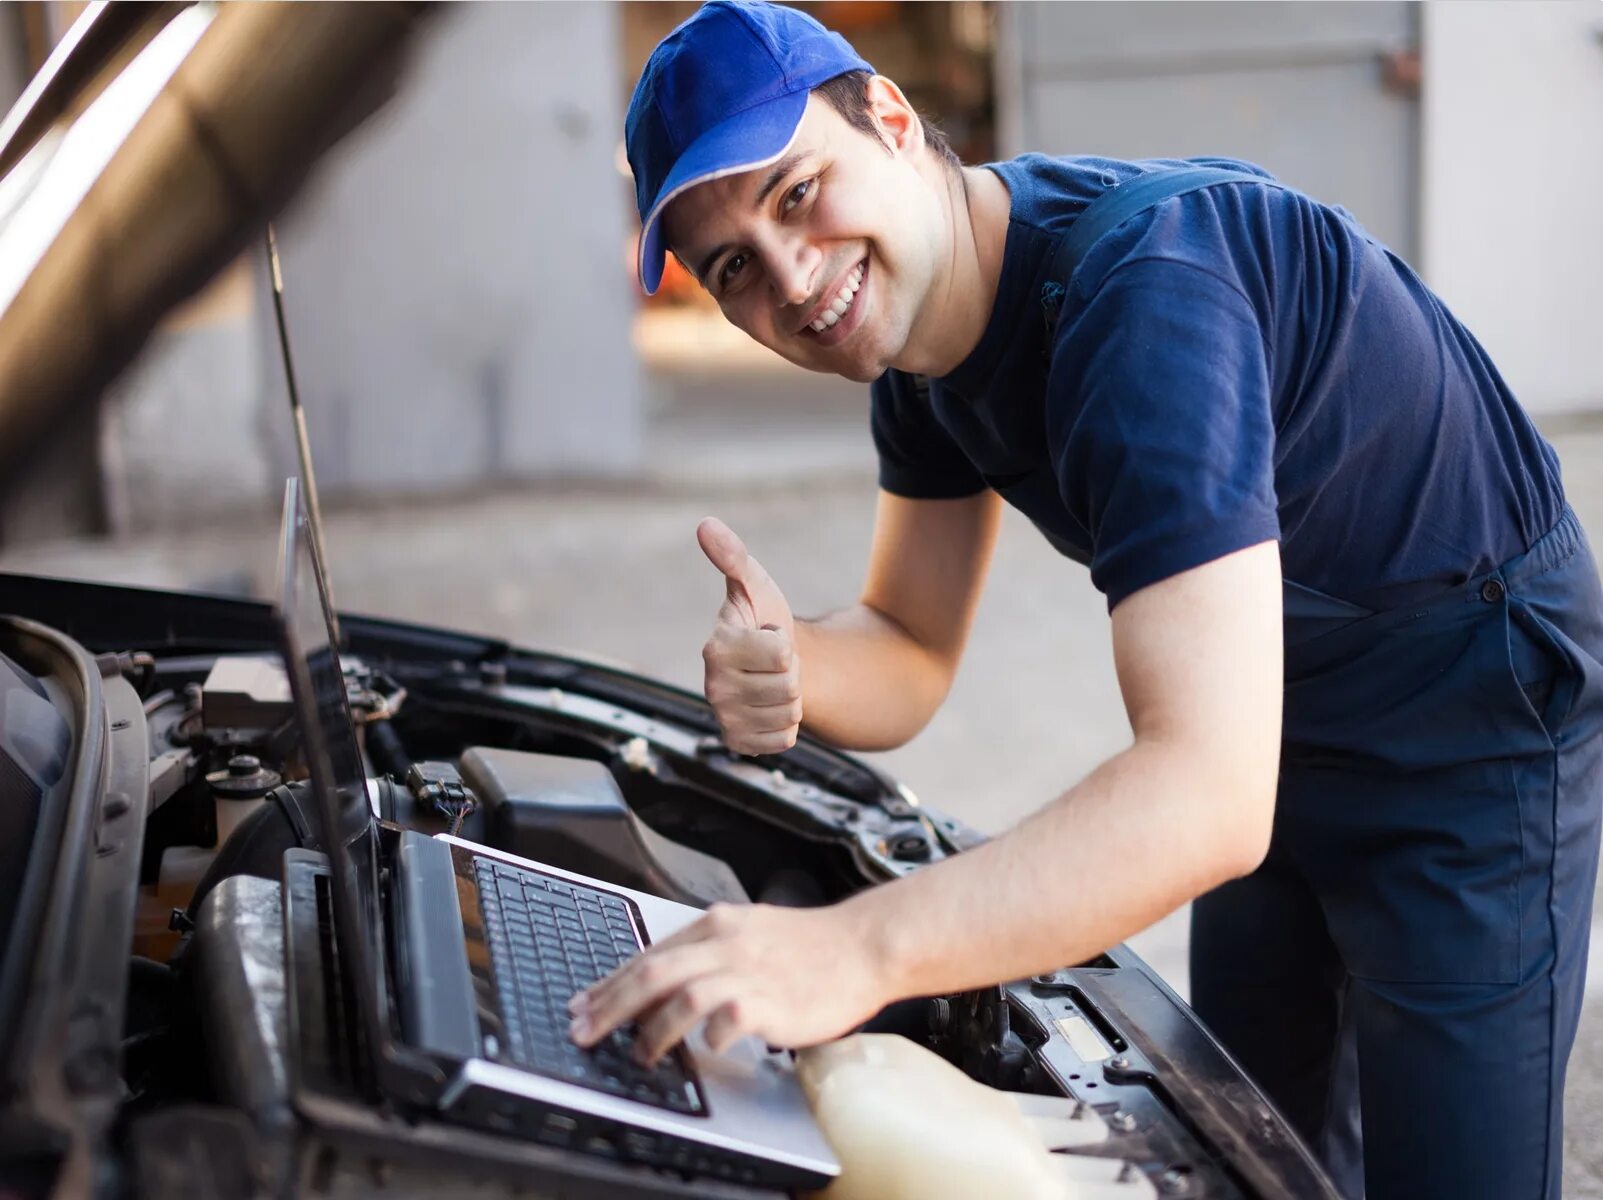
(1357, 628)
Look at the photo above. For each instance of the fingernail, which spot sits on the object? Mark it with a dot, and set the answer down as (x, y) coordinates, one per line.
(578, 1002)
(579, 1029)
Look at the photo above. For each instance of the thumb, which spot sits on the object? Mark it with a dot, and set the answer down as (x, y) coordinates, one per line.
(727, 552)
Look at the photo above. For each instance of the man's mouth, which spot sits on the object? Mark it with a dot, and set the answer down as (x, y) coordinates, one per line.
(838, 306)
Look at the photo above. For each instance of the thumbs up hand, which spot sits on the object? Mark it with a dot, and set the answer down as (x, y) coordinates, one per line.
(753, 676)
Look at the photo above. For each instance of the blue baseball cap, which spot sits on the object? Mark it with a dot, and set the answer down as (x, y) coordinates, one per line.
(722, 94)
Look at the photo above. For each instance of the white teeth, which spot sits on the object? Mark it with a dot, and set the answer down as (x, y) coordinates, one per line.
(838, 306)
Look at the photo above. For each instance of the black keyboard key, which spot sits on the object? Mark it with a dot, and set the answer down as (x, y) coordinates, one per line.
(678, 1101)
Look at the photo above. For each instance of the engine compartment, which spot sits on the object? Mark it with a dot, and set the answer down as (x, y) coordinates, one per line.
(167, 831)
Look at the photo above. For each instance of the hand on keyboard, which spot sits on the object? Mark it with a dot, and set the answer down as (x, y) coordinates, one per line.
(547, 937)
(794, 977)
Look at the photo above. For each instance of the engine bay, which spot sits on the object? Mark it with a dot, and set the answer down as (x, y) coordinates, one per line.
(144, 985)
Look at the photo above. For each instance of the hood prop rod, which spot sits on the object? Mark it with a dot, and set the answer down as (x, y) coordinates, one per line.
(303, 446)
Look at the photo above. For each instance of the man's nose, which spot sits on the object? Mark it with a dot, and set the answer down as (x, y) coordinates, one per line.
(793, 271)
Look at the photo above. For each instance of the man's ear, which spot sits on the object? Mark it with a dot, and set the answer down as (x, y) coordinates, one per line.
(897, 121)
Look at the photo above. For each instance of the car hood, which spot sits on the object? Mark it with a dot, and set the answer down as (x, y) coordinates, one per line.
(149, 152)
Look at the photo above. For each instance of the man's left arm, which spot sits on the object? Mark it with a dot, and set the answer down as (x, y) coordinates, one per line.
(1188, 805)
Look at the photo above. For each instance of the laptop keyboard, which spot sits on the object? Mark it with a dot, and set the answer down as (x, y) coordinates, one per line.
(548, 938)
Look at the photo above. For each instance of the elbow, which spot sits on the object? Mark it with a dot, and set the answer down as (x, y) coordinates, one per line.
(1248, 855)
(1250, 829)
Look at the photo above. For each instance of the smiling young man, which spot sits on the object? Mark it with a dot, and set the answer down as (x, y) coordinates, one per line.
(1357, 628)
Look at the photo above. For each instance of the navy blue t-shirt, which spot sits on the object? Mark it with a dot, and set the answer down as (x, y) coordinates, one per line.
(1231, 366)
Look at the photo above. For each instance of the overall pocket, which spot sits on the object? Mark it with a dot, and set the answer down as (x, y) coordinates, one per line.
(1542, 672)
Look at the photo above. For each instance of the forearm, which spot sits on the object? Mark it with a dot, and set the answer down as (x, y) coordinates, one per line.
(1140, 836)
(867, 684)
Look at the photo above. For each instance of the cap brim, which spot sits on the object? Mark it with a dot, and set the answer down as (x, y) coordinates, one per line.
(748, 140)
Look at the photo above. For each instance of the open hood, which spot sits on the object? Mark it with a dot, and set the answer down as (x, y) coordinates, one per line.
(149, 152)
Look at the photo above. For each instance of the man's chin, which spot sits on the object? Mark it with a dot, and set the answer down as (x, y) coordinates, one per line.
(861, 366)
(858, 373)
(856, 359)
(845, 368)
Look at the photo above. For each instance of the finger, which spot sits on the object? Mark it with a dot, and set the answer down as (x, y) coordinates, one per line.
(666, 1027)
(728, 553)
(634, 990)
(756, 720)
(742, 573)
(762, 650)
(762, 743)
(737, 609)
(639, 984)
(724, 1027)
(699, 930)
(765, 689)
(723, 549)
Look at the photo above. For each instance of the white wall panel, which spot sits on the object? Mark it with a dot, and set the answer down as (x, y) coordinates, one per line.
(457, 277)
(1513, 188)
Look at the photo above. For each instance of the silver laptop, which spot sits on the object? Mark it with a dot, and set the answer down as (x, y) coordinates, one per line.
(459, 960)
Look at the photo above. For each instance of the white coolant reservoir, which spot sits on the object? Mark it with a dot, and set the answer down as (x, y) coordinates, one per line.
(239, 790)
(907, 1125)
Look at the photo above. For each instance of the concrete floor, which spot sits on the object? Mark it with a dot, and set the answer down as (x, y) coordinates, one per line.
(615, 573)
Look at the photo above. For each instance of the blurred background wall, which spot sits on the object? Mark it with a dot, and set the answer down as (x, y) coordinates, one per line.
(1512, 163)
(464, 315)
(1326, 95)
(458, 285)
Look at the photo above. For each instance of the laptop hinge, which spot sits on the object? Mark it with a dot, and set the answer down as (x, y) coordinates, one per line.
(324, 1025)
(438, 1013)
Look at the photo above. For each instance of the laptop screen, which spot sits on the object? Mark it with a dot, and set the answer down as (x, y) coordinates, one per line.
(339, 781)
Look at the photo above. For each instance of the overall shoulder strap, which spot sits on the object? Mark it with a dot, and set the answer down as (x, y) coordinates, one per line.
(1112, 209)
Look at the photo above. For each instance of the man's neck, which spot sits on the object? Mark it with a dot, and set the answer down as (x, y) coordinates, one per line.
(955, 313)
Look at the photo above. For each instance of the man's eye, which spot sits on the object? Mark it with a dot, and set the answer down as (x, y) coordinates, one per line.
(797, 194)
(733, 265)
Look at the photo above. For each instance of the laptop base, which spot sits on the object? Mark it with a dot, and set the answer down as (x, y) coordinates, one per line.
(338, 1121)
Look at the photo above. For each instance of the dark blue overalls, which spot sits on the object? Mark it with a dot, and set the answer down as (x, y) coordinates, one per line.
(1414, 946)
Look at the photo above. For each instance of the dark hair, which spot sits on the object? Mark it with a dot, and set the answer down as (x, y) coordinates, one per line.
(846, 95)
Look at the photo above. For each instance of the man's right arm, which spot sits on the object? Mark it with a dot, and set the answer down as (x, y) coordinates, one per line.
(870, 676)
(874, 674)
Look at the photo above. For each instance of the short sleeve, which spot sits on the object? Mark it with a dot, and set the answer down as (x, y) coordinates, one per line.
(918, 458)
(1159, 423)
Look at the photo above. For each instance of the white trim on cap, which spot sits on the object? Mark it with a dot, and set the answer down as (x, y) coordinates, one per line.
(721, 172)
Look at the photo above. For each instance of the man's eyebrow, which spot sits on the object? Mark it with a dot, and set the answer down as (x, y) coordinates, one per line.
(780, 169)
(706, 263)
